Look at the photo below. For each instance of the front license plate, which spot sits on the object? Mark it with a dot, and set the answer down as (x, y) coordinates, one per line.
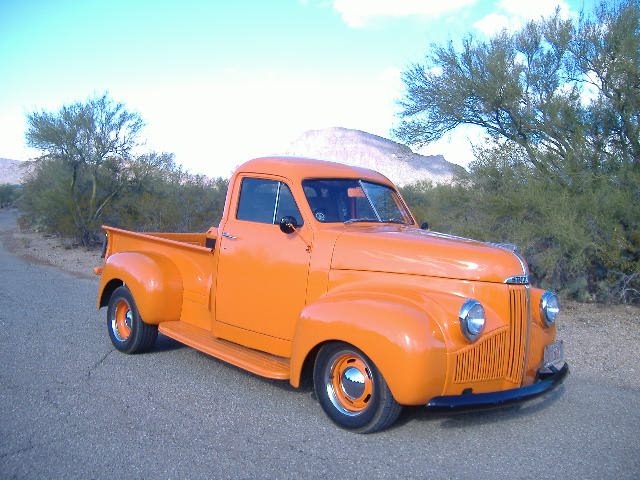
(554, 354)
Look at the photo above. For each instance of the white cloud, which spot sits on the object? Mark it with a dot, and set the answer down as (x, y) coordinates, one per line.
(492, 23)
(534, 10)
(513, 14)
(356, 13)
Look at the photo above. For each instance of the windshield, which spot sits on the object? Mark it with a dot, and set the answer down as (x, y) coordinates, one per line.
(352, 200)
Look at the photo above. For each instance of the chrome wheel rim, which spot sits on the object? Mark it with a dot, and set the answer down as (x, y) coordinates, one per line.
(121, 322)
(348, 383)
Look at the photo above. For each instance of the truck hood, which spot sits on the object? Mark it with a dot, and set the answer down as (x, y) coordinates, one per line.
(399, 249)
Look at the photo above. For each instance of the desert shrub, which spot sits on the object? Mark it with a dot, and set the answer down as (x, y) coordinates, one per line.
(581, 237)
(8, 194)
(151, 194)
(45, 202)
(159, 196)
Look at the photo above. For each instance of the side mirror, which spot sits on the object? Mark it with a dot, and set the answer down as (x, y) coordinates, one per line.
(288, 224)
(424, 226)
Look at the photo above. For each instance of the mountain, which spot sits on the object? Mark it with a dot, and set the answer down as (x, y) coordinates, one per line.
(354, 147)
(13, 171)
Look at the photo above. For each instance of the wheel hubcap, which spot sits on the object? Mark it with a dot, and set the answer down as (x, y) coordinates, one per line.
(353, 382)
(349, 384)
(121, 323)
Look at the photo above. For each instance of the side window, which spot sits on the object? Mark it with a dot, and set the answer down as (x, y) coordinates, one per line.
(287, 206)
(266, 201)
(257, 200)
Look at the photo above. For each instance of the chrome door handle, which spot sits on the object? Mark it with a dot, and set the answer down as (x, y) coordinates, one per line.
(228, 235)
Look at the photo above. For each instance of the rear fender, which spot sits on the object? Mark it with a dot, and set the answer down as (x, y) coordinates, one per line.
(401, 338)
(154, 282)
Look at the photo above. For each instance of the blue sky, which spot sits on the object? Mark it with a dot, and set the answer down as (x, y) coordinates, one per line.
(220, 82)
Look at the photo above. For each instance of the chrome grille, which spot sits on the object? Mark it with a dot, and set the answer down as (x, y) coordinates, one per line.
(518, 333)
(500, 355)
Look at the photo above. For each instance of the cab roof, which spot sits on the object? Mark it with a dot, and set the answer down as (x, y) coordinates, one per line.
(300, 168)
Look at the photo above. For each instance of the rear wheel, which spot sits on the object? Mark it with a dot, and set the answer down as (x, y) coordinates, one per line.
(127, 331)
(351, 389)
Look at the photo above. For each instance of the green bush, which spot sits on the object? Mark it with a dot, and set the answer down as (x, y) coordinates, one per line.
(46, 202)
(581, 239)
(8, 194)
(152, 194)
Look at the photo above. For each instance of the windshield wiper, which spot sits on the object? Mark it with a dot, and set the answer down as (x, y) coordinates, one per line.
(361, 220)
(395, 220)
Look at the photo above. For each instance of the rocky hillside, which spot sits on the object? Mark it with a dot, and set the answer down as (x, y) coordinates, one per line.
(354, 147)
(13, 171)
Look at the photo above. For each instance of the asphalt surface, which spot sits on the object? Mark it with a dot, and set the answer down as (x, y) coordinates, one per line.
(72, 407)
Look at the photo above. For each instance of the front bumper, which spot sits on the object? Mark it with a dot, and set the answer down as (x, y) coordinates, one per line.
(545, 383)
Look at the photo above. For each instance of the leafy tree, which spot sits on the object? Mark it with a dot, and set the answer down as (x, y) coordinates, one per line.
(528, 88)
(87, 176)
(561, 178)
(606, 52)
(509, 85)
(89, 139)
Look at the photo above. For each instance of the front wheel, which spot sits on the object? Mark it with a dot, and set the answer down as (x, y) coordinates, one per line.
(351, 389)
(127, 331)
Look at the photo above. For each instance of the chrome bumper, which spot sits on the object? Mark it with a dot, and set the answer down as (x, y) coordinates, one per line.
(545, 382)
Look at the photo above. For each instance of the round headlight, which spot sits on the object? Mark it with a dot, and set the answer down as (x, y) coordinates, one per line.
(472, 319)
(549, 308)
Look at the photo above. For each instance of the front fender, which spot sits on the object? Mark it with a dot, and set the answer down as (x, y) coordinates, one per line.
(401, 338)
(154, 282)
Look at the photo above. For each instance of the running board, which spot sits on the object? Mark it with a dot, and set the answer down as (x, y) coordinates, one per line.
(260, 363)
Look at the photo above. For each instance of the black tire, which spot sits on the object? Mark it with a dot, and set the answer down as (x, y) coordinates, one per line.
(351, 389)
(127, 331)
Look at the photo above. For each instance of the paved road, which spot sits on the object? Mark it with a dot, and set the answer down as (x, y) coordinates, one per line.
(72, 407)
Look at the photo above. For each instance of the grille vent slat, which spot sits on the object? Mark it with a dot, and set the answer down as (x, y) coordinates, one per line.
(500, 355)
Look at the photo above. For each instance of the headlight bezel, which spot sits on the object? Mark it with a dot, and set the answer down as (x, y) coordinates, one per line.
(549, 308)
(470, 313)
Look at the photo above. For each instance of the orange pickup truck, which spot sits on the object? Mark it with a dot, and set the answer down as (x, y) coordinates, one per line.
(318, 270)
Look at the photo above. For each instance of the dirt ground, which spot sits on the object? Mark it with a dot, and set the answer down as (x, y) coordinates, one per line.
(53, 250)
(600, 340)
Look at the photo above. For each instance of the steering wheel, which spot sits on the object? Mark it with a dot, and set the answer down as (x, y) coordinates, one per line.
(320, 214)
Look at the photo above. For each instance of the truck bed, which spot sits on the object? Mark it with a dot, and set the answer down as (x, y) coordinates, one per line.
(193, 257)
(123, 240)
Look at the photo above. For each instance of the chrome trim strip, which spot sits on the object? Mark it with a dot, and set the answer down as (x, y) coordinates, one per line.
(275, 206)
(526, 346)
(517, 280)
(509, 247)
(525, 271)
(373, 207)
(504, 246)
(228, 235)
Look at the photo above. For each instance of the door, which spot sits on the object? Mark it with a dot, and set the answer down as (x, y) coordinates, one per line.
(262, 272)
